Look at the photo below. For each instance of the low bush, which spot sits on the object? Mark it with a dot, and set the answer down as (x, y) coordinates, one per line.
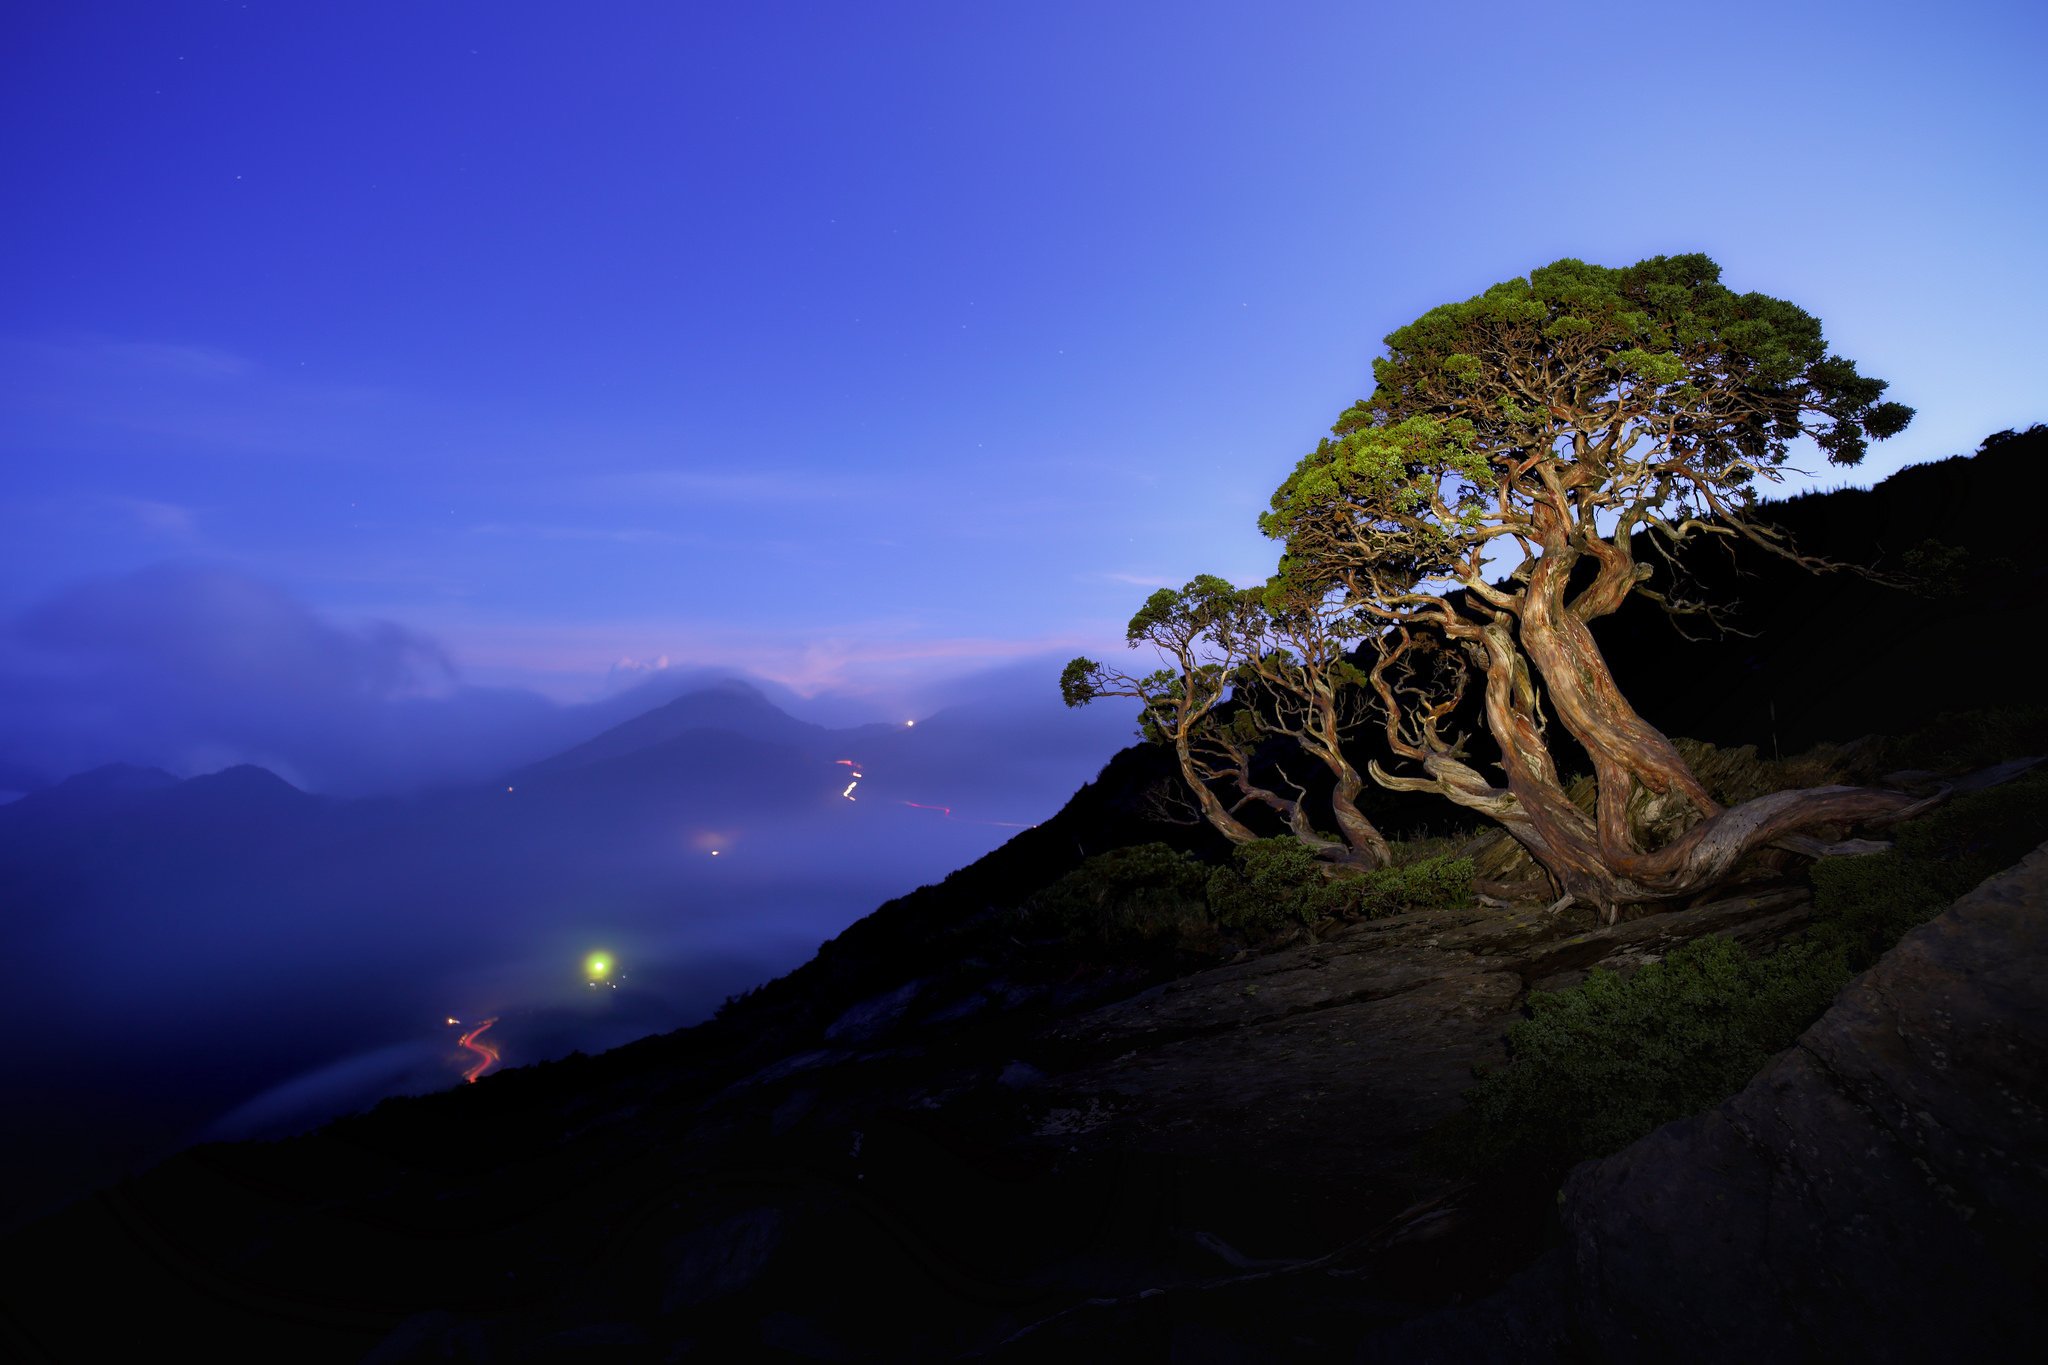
(1138, 894)
(1595, 1067)
(1150, 893)
(1865, 905)
(1275, 883)
(1272, 884)
(1967, 739)
(1439, 882)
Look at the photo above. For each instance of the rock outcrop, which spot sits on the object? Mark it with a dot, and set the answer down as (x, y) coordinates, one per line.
(1879, 1192)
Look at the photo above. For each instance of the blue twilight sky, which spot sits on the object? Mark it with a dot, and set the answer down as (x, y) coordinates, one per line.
(854, 345)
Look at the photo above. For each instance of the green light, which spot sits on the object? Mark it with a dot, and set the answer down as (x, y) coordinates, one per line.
(598, 965)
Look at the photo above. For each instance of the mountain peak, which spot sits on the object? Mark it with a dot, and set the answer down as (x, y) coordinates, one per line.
(732, 705)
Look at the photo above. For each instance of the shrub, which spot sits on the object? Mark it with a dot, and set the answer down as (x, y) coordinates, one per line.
(1277, 882)
(1151, 892)
(1272, 883)
(1595, 1067)
(1599, 1065)
(1434, 883)
(1862, 906)
(1969, 739)
(1141, 893)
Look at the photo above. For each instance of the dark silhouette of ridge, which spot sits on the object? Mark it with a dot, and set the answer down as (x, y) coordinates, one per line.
(98, 789)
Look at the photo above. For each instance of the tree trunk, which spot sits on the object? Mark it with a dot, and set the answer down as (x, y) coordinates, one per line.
(1639, 772)
(1323, 738)
(1298, 823)
(1308, 709)
(1644, 784)
(1533, 806)
(1226, 824)
(1710, 850)
(1359, 833)
(1559, 836)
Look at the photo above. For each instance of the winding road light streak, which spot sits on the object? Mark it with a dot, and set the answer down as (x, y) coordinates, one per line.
(486, 1053)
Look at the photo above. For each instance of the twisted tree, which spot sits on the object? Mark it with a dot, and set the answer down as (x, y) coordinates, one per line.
(1296, 647)
(1548, 424)
(1178, 701)
(1213, 638)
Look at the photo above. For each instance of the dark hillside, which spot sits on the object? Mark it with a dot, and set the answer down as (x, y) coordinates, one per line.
(1811, 658)
(1807, 658)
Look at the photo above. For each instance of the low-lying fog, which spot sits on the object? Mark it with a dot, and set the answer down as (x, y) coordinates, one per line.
(231, 956)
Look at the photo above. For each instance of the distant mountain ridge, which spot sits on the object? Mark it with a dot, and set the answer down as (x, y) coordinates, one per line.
(731, 707)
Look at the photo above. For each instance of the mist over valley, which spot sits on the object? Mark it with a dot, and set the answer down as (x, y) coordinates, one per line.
(230, 956)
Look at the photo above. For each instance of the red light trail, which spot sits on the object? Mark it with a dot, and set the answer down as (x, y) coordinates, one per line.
(486, 1053)
(855, 775)
(947, 811)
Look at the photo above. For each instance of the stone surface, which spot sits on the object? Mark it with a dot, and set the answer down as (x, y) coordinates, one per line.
(1345, 1058)
(720, 1260)
(1879, 1192)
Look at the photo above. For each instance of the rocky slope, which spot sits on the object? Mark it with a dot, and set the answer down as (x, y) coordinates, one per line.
(1878, 1193)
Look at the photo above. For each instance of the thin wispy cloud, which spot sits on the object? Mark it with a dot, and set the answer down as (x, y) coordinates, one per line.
(170, 520)
(125, 358)
(182, 361)
(686, 487)
(191, 397)
(622, 535)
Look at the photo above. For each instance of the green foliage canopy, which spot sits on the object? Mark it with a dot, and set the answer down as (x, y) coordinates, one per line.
(1649, 391)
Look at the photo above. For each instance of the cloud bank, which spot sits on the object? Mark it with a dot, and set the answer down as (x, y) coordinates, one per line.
(194, 667)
